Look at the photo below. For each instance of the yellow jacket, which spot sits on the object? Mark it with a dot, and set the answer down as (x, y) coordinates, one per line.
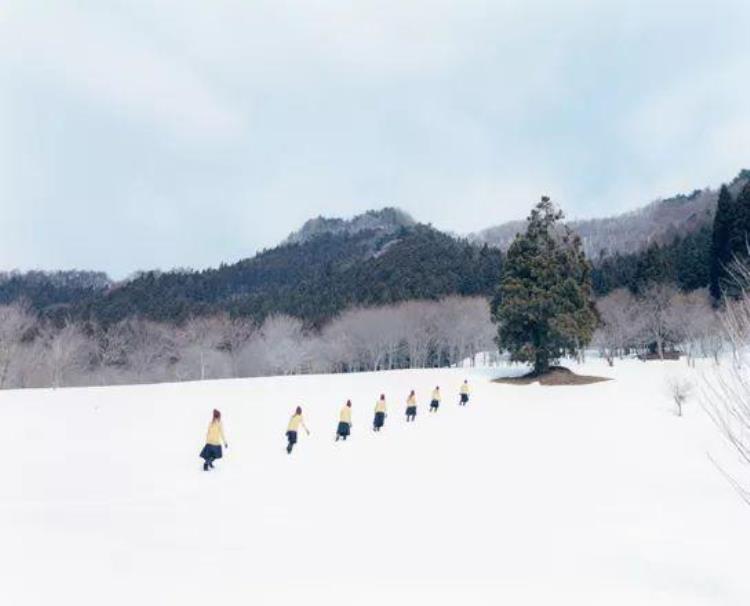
(465, 388)
(380, 406)
(295, 422)
(345, 416)
(411, 400)
(215, 436)
(436, 394)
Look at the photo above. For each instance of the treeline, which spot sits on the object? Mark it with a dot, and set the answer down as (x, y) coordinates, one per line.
(685, 262)
(37, 352)
(314, 280)
(701, 259)
(320, 276)
(658, 321)
(47, 290)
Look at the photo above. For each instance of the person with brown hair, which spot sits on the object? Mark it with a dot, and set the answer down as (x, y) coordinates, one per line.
(214, 439)
(291, 431)
(345, 421)
(380, 411)
(464, 400)
(435, 403)
(411, 407)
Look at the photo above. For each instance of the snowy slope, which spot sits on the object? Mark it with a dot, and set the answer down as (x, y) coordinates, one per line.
(530, 495)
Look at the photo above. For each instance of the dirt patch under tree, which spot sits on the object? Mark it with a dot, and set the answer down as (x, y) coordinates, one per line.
(556, 375)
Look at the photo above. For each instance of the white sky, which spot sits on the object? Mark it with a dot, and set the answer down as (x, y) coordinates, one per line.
(197, 132)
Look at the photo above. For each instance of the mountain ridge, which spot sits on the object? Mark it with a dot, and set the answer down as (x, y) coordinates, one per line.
(655, 223)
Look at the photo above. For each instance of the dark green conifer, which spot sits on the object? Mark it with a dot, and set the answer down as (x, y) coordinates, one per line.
(544, 307)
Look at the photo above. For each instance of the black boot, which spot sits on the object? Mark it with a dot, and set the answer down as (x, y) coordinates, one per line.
(205, 466)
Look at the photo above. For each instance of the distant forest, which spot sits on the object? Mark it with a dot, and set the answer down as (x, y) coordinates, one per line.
(316, 279)
(313, 281)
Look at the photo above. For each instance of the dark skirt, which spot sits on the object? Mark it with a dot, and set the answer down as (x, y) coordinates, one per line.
(379, 419)
(411, 411)
(464, 398)
(291, 436)
(435, 404)
(343, 429)
(211, 452)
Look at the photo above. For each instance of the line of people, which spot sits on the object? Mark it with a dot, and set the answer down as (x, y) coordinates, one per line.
(215, 436)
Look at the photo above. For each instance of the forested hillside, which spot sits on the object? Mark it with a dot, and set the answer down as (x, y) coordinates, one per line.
(312, 280)
(384, 257)
(47, 290)
(658, 223)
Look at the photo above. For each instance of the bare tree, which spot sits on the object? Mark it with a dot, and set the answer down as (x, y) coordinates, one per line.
(655, 307)
(680, 390)
(151, 349)
(463, 329)
(236, 333)
(199, 342)
(727, 390)
(69, 353)
(691, 321)
(283, 341)
(15, 324)
(620, 324)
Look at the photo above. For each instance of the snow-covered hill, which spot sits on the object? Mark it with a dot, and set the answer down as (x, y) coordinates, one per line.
(530, 495)
(656, 223)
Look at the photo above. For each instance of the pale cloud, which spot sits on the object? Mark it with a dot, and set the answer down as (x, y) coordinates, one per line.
(90, 53)
(137, 134)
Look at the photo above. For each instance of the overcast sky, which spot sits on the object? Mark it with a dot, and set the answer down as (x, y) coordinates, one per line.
(133, 137)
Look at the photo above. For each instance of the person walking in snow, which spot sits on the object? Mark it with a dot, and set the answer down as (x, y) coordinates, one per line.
(464, 393)
(345, 421)
(380, 412)
(214, 439)
(435, 402)
(291, 431)
(411, 407)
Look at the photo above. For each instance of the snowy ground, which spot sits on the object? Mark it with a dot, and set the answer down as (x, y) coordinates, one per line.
(531, 495)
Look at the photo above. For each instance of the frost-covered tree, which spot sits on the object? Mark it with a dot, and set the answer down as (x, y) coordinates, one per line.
(68, 353)
(199, 341)
(283, 341)
(620, 324)
(655, 307)
(151, 349)
(15, 324)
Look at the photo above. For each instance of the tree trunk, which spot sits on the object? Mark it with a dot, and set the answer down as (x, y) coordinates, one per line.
(541, 362)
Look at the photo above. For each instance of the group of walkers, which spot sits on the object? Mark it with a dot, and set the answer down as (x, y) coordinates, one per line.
(215, 437)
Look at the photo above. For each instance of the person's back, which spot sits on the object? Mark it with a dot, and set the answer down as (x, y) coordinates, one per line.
(214, 439)
(345, 421)
(345, 416)
(464, 393)
(215, 434)
(295, 422)
(411, 406)
(435, 402)
(380, 412)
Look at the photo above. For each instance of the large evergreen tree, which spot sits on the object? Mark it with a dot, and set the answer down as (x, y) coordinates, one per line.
(543, 307)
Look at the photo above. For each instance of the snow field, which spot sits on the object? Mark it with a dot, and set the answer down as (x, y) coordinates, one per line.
(579, 495)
